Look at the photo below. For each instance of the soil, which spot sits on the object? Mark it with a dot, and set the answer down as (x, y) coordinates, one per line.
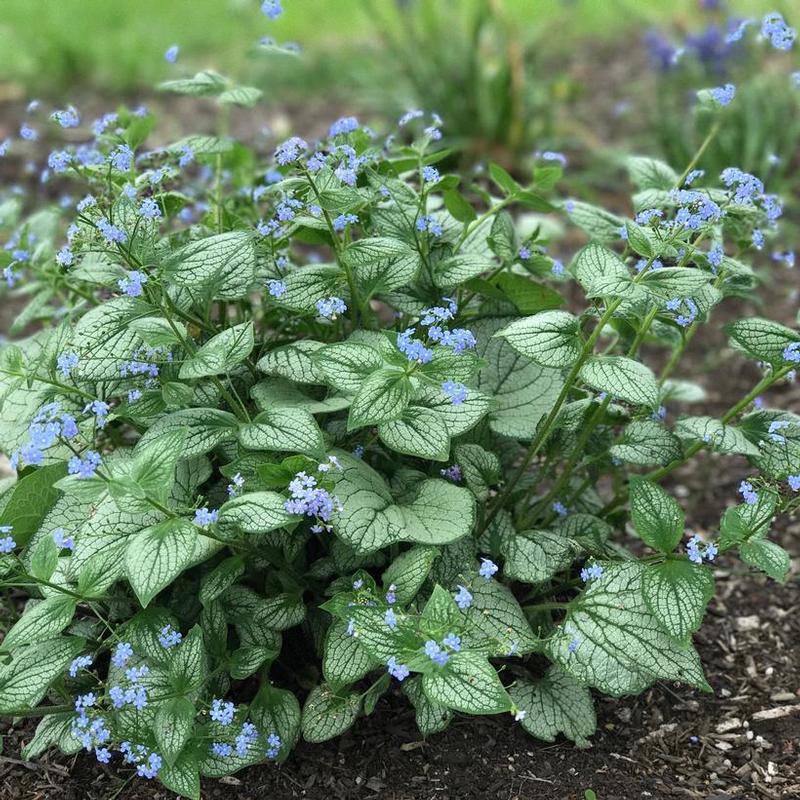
(741, 742)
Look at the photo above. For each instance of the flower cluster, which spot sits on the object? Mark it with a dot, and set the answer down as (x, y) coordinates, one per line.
(49, 425)
(696, 555)
(311, 500)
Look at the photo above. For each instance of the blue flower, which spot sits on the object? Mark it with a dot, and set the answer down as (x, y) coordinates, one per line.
(133, 284)
(457, 392)
(592, 572)
(121, 158)
(724, 94)
(552, 155)
(221, 749)
(463, 598)
(222, 711)
(273, 746)
(430, 174)
(794, 482)
(435, 653)
(28, 133)
(205, 517)
(246, 737)
(59, 160)
(168, 637)
(62, 541)
(780, 35)
(487, 568)
(560, 508)
(452, 641)
(149, 208)
(791, 352)
(66, 362)
(692, 176)
(413, 349)
(111, 233)
(171, 54)
(390, 618)
(290, 150)
(64, 257)
(343, 220)
(748, 493)
(272, 8)
(7, 543)
(67, 118)
(398, 671)
(331, 307)
(343, 125)
(524, 253)
(84, 468)
(452, 473)
(122, 653)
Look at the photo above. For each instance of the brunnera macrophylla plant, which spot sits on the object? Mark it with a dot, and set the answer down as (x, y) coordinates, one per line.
(294, 435)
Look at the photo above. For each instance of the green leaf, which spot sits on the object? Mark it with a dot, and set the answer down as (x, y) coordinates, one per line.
(638, 240)
(502, 179)
(526, 294)
(647, 442)
(523, 392)
(767, 556)
(610, 640)
(602, 273)
(408, 572)
(623, 378)
(481, 469)
(53, 730)
(344, 660)
(467, 683)
(458, 207)
(650, 173)
(431, 717)
(383, 396)
(762, 339)
(244, 96)
(25, 678)
(182, 777)
(601, 225)
(277, 710)
(31, 498)
(293, 430)
(255, 512)
(188, 669)
(657, 517)
(677, 593)
(419, 432)
(461, 267)
(556, 703)
(220, 353)
(202, 84)
(346, 365)
(223, 266)
(294, 361)
(224, 575)
(496, 622)
(205, 429)
(669, 282)
(502, 238)
(439, 512)
(173, 727)
(327, 714)
(105, 337)
(157, 555)
(536, 556)
(551, 338)
(42, 620)
(747, 520)
(718, 436)
(304, 287)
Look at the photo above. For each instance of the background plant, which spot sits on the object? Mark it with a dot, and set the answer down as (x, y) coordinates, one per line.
(292, 435)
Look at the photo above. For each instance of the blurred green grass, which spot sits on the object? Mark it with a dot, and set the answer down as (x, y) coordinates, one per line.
(55, 47)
